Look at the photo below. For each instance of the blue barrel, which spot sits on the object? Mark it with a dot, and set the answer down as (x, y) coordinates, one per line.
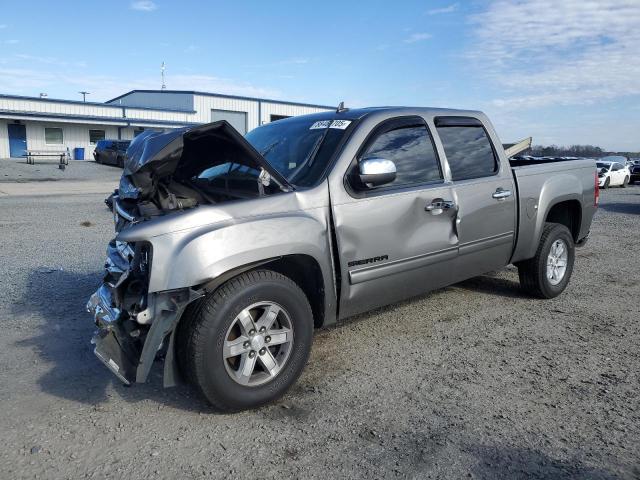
(78, 153)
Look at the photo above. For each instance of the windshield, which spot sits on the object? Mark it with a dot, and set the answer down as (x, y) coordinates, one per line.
(603, 165)
(300, 149)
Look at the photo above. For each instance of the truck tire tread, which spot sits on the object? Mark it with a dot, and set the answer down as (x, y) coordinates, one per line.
(532, 272)
(193, 333)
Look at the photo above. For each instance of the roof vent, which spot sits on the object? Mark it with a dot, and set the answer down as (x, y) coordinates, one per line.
(341, 108)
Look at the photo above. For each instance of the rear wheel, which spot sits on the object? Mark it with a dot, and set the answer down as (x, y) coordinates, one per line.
(547, 274)
(625, 182)
(120, 162)
(246, 343)
(606, 183)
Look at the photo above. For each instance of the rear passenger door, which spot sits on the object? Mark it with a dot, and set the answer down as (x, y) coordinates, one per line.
(393, 242)
(485, 195)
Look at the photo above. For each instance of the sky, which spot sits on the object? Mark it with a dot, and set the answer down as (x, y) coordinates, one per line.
(563, 71)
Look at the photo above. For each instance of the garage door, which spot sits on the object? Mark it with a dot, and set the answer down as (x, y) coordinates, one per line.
(237, 119)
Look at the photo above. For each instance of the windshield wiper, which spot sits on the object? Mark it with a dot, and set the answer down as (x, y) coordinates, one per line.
(311, 156)
(270, 147)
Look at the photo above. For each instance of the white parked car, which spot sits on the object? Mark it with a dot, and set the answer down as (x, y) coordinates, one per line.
(611, 174)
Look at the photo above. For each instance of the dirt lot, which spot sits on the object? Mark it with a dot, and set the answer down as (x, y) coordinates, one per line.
(473, 381)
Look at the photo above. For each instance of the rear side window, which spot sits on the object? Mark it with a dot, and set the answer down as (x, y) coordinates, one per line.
(411, 148)
(468, 151)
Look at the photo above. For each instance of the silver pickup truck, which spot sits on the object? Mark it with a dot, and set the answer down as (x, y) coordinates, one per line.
(229, 250)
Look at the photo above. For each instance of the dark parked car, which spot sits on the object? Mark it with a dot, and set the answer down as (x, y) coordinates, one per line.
(635, 173)
(112, 152)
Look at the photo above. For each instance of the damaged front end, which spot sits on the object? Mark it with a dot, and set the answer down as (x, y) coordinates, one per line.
(133, 324)
(165, 173)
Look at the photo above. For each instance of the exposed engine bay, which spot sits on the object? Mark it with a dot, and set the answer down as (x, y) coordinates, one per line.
(187, 167)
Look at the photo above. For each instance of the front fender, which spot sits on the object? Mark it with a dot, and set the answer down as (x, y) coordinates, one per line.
(196, 256)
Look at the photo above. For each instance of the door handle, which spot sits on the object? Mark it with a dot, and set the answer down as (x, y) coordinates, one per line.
(501, 194)
(438, 205)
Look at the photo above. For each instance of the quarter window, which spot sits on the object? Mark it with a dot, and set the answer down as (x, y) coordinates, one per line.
(411, 149)
(95, 136)
(53, 136)
(468, 151)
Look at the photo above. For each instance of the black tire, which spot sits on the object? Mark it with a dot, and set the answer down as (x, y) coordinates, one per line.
(97, 159)
(532, 272)
(120, 162)
(625, 182)
(203, 330)
(606, 183)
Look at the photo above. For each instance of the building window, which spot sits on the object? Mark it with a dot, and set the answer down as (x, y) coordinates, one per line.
(275, 118)
(53, 136)
(95, 136)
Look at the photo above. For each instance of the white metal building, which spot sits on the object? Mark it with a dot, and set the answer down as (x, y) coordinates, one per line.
(45, 124)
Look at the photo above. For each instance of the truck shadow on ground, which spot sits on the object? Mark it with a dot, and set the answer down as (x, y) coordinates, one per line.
(498, 462)
(620, 207)
(491, 285)
(56, 299)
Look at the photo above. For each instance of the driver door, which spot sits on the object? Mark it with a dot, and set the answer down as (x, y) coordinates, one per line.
(393, 242)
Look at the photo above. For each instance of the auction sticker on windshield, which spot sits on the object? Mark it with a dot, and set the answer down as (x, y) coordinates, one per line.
(341, 124)
(320, 124)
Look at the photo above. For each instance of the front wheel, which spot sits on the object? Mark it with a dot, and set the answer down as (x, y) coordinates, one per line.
(625, 182)
(547, 274)
(246, 343)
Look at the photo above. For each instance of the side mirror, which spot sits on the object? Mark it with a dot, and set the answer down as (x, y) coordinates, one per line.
(376, 171)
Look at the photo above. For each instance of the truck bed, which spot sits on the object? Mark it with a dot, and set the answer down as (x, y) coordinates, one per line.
(543, 184)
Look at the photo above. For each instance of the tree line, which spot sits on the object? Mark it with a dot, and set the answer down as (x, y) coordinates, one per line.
(575, 151)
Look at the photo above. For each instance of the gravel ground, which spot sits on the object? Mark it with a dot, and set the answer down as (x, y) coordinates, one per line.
(472, 381)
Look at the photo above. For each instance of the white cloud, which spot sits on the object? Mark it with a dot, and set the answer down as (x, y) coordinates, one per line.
(29, 81)
(144, 6)
(544, 52)
(448, 9)
(210, 83)
(49, 60)
(294, 61)
(417, 37)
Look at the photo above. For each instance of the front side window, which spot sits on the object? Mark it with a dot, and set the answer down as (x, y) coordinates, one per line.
(468, 151)
(411, 149)
(53, 136)
(95, 136)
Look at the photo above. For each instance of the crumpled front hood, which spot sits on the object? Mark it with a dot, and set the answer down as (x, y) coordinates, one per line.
(184, 152)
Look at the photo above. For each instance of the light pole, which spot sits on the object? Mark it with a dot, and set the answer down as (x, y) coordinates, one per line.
(84, 95)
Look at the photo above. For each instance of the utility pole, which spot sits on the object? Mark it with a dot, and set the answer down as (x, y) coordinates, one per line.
(84, 95)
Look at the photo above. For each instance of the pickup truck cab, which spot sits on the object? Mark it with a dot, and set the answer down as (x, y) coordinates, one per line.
(230, 250)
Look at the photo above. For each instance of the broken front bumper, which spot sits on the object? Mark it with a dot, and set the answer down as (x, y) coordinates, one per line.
(131, 334)
(109, 340)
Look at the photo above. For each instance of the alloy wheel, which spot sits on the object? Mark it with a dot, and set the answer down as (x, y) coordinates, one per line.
(557, 262)
(258, 344)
